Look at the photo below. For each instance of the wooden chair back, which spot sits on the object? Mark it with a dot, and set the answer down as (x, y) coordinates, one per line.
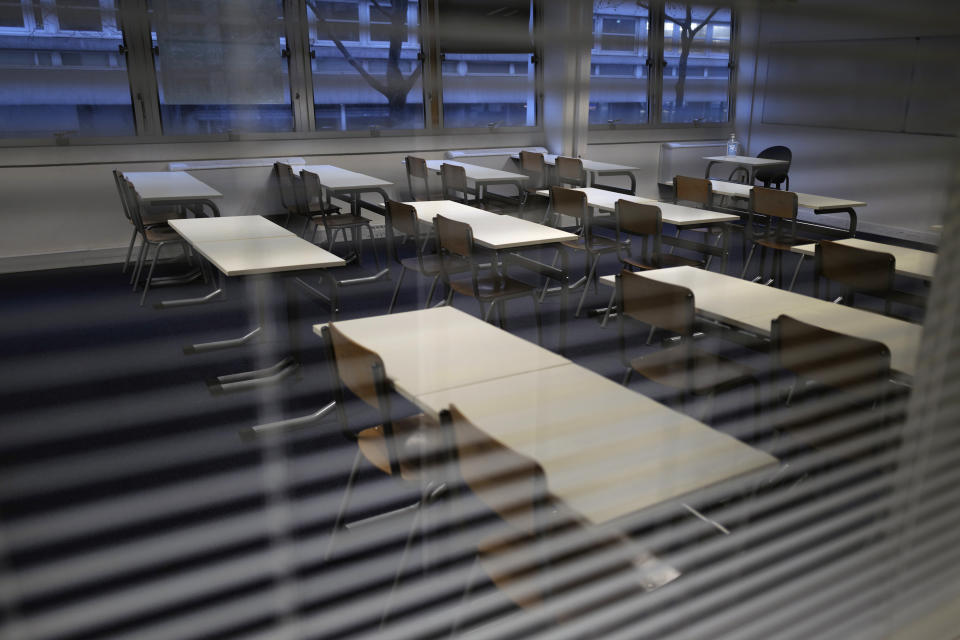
(532, 161)
(313, 190)
(417, 168)
(644, 221)
(660, 304)
(509, 483)
(832, 359)
(773, 202)
(569, 202)
(570, 171)
(285, 179)
(859, 269)
(401, 218)
(696, 190)
(356, 366)
(121, 181)
(454, 237)
(454, 178)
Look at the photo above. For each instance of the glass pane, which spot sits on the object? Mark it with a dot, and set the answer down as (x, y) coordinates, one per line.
(496, 89)
(366, 73)
(618, 70)
(696, 80)
(220, 66)
(63, 72)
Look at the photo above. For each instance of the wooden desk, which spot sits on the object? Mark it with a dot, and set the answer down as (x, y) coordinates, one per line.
(595, 169)
(752, 307)
(907, 262)
(483, 177)
(749, 163)
(341, 182)
(677, 215)
(818, 204)
(173, 187)
(266, 249)
(607, 451)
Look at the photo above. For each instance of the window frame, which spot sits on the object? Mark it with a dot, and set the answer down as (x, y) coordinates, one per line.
(655, 82)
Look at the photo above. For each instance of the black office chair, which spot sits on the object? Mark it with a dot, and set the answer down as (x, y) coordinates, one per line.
(774, 177)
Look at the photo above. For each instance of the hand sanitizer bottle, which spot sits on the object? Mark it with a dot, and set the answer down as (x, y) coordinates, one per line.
(732, 145)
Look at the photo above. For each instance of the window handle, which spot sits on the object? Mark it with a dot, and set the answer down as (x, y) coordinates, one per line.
(285, 52)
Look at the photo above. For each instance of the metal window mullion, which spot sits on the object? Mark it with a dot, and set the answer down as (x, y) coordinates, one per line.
(655, 44)
(134, 21)
(733, 58)
(297, 32)
(432, 68)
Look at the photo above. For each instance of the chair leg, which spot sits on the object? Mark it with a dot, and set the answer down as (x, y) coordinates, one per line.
(133, 239)
(627, 375)
(373, 247)
(743, 274)
(539, 319)
(153, 265)
(586, 285)
(338, 522)
(501, 316)
(433, 286)
(796, 272)
(414, 527)
(486, 315)
(606, 315)
(396, 290)
(135, 278)
(471, 578)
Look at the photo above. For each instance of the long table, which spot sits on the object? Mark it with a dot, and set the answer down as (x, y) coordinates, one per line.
(483, 177)
(751, 307)
(674, 214)
(343, 182)
(749, 163)
(907, 262)
(607, 451)
(173, 188)
(818, 204)
(595, 169)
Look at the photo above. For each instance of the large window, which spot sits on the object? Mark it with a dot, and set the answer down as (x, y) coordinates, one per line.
(660, 62)
(365, 62)
(62, 71)
(220, 66)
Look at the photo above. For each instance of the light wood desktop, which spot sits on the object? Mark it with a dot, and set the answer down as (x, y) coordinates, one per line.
(907, 262)
(752, 306)
(229, 228)
(607, 451)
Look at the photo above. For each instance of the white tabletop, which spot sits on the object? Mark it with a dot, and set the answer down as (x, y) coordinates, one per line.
(434, 349)
(752, 306)
(907, 262)
(157, 186)
(748, 161)
(675, 214)
(228, 228)
(490, 229)
(606, 450)
(805, 200)
(478, 173)
(336, 178)
(589, 165)
(266, 255)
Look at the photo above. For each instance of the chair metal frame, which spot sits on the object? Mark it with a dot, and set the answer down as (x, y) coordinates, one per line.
(417, 168)
(778, 209)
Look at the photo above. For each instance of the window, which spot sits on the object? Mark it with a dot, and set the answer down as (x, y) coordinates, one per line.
(366, 68)
(618, 70)
(487, 83)
(220, 66)
(691, 69)
(68, 77)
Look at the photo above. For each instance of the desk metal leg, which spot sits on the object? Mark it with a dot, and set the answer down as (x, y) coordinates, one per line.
(218, 293)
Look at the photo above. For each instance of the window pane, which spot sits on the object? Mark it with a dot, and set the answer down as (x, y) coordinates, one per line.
(366, 75)
(618, 70)
(484, 89)
(220, 66)
(63, 75)
(696, 81)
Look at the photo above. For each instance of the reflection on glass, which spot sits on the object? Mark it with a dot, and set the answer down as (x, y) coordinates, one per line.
(618, 70)
(366, 71)
(482, 90)
(220, 66)
(61, 71)
(696, 80)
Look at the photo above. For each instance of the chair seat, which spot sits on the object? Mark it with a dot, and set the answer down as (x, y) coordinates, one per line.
(162, 234)
(342, 220)
(710, 372)
(411, 437)
(431, 264)
(491, 286)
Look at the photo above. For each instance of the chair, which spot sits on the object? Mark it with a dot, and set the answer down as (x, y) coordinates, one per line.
(570, 172)
(858, 271)
(151, 217)
(841, 376)
(682, 366)
(397, 446)
(543, 551)
(455, 246)
(533, 165)
(696, 191)
(286, 180)
(329, 217)
(776, 231)
(775, 176)
(157, 236)
(402, 218)
(417, 168)
(453, 178)
(645, 223)
(573, 203)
